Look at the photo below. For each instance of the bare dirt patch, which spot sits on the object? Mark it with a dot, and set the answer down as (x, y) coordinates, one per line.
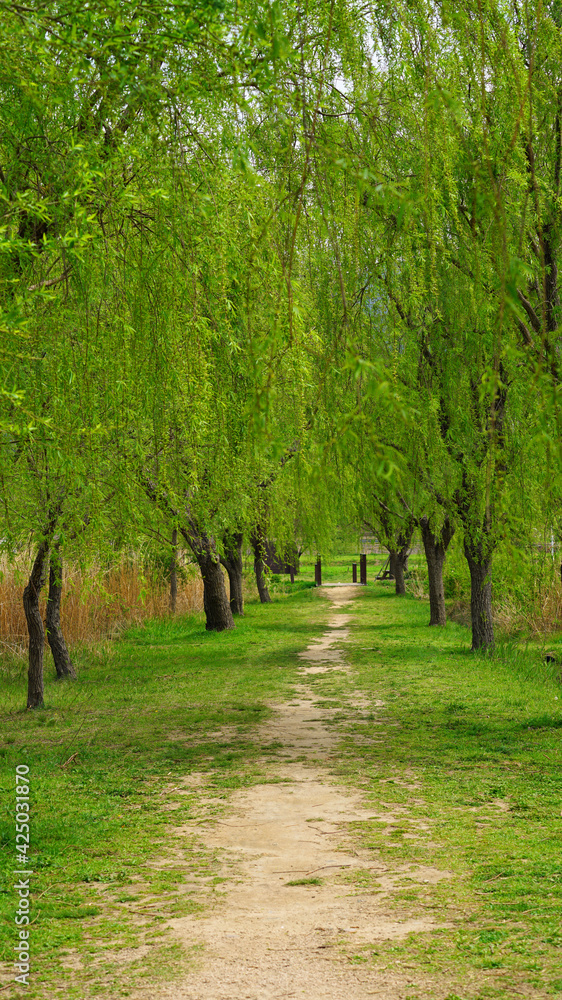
(285, 923)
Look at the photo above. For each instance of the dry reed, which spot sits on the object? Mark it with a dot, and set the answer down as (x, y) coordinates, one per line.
(538, 615)
(95, 605)
(541, 613)
(417, 585)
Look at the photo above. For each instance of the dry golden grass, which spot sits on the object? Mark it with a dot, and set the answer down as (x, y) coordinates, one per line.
(95, 605)
(539, 615)
(459, 612)
(416, 583)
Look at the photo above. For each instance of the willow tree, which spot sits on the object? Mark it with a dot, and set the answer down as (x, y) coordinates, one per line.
(219, 367)
(57, 150)
(424, 182)
(89, 104)
(478, 81)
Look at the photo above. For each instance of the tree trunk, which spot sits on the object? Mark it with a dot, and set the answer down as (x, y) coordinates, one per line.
(398, 554)
(479, 558)
(174, 572)
(55, 638)
(258, 545)
(403, 541)
(435, 547)
(232, 561)
(399, 584)
(215, 602)
(35, 627)
(398, 563)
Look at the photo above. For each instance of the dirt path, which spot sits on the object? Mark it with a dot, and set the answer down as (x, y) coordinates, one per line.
(267, 938)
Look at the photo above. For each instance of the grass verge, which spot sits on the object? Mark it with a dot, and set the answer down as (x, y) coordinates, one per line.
(459, 757)
(109, 757)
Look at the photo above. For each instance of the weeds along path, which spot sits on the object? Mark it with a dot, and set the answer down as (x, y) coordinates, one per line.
(293, 907)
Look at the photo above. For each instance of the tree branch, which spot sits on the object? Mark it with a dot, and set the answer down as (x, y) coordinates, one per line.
(535, 321)
(50, 282)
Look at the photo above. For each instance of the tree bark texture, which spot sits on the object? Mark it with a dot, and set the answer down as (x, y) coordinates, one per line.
(435, 546)
(174, 572)
(399, 568)
(399, 563)
(35, 627)
(215, 602)
(55, 637)
(479, 559)
(398, 545)
(258, 546)
(397, 571)
(218, 614)
(232, 561)
(403, 540)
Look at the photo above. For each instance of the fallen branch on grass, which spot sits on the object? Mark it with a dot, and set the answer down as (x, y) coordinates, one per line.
(70, 760)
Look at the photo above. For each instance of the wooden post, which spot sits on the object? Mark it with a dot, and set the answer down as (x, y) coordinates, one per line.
(363, 568)
(318, 572)
(354, 572)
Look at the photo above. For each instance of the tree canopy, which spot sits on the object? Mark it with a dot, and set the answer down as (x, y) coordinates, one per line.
(257, 249)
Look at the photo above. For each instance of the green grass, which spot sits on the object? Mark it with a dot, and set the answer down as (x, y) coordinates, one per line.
(337, 568)
(458, 756)
(168, 700)
(468, 758)
(305, 881)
